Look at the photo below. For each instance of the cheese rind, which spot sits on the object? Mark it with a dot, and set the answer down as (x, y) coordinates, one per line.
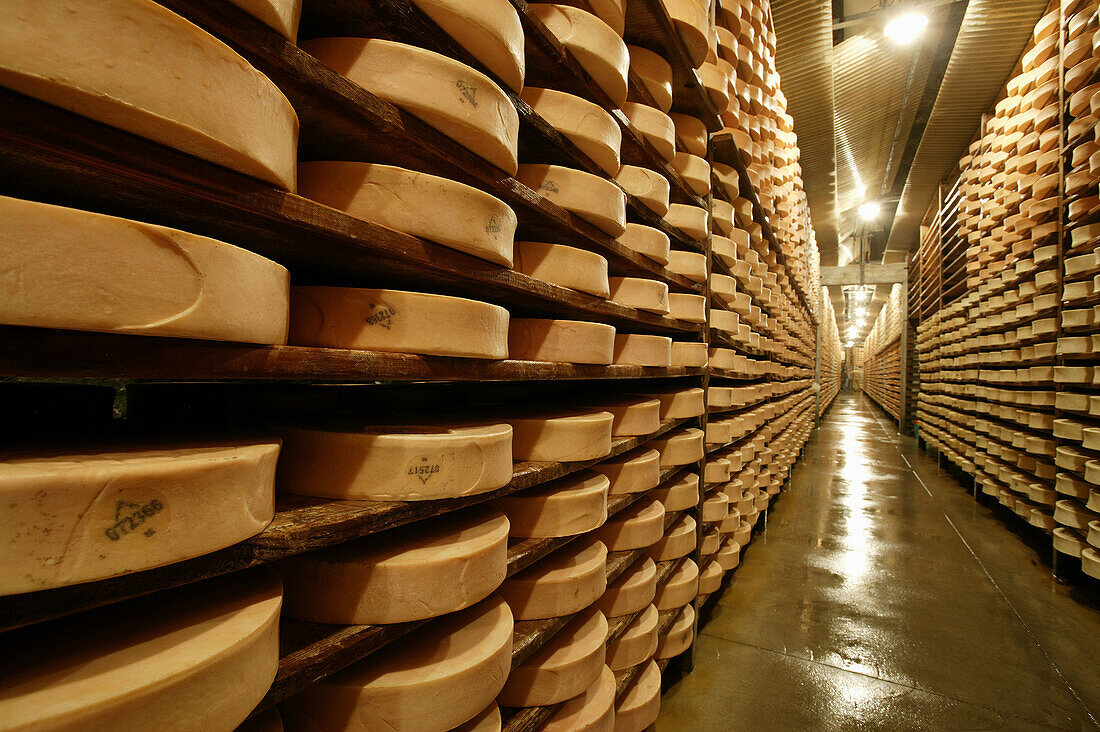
(679, 636)
(681, 404)
(692, 132)
(680, 588)
(655, 74)
(655, 127)
(640, 703)
(73, 516)
(423, 570)
(397, 321)
(561, 669)
(640, 293)
(679, 495)
(694, 170)
(634, 472)
(396, 463)
(282, 15)
(646, 240)
(490, 31)
(596, 200)
(689, 264)
(558, 264)
(681, 447)
(636, 526)
(677, 542)
(436, 678)
(643, 350)
(689, 218)
(561, 437)
(211, 648)
(488, 721)
(595, 45)
(648, 186)
(462, 103)
(631, 591)
(637, 643)
(689, 355)
(592, 711)
(565, 582)
(560, 341)
(440, 210)
(107, 60)
(565, 507)
(589, 126)
(76, 270)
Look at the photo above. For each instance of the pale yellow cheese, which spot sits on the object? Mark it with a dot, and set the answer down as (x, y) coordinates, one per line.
(680, 588)
(194, 659)
(654, 126)
(97, 511)
(689, 308)
(678, 637)
(596, 200)
(722, 212)
(634, 472)
(282, 15)
(635, 349)
(75, 270)
(561, 341)
(648, 186)
(681, 404)
(397, 321)
(440, 676)
(679, 495)
(577, 269)
(440, 210)
(646, 240)
(565, 582)
(488, 721)
(692, 265)
(677, 542)
(631, 591)
(694, 170)
(561, 436)
(423, 570)
(136, 65)
(462, 103)
(729, 554)
(565, 507)
(717, 470)
(399, 462)
(589, 126)
(563, 667)
(681, 447)
(691, 219)
(690, 355)
(655, 74)
(692, 132)
(592, 711)
(715, 507)
(636, 526)
(690, 20)
(595, 45)
(640, 293)
(710, 577)
(633, 416)
(490, 31)
(640, 703)
(637, 643)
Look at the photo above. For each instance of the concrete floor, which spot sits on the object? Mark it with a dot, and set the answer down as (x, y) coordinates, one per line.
(882, 596)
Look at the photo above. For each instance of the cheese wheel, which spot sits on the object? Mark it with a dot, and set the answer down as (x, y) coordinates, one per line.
(462, 103)
(691, 22)
(567, 581)
(396, 321)
(592, 711)
(681, 404)
(678, 541)
(640, 703)
(681, 447)
(634, 472)
(586, 125)
(595, 45)
(712, 540)
(565, 507)
(678, 637)
(643, 350)
(563, 667)
(98, 60)
(637, 643)
(436, 678)
(689, 218)
(76, 270)
(631, 591)
(722, 212)
(654, 126)
(419, 571)
(686, 307)
(490, 31)
(691, 132)
(101, 510)
(689, 355)
(640, 293)
(680, 588)
(715, 507)
(634, 416)
(400, 462)
(679, 495)
(440, 210)
(487, 721)
(647, 241)
(689, 264)
(211, 649)
(560, 341)
(694, 170)
(648, 186)
(561, 437)
(717, 470)
(596, 200)
(655, 73)
(558, 264)
(710, 578)
(729, 554)
(639, 525)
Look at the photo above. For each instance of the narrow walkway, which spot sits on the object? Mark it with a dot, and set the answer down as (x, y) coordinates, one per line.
(882, 596)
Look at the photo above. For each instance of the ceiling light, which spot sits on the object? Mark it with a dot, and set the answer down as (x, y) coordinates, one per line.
(860, 312)
(905, 28)
(868, 211)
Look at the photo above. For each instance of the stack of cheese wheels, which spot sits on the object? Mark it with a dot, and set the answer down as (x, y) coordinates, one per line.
(576, 269)
(77, 270)
(397, 321)
(211, 649)
(462, 103)
(443, 675)
(568, 506)
(243, 122)
(420, 571)
(440, 210)
(396, 462)
(107, 509)
(596, 200)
